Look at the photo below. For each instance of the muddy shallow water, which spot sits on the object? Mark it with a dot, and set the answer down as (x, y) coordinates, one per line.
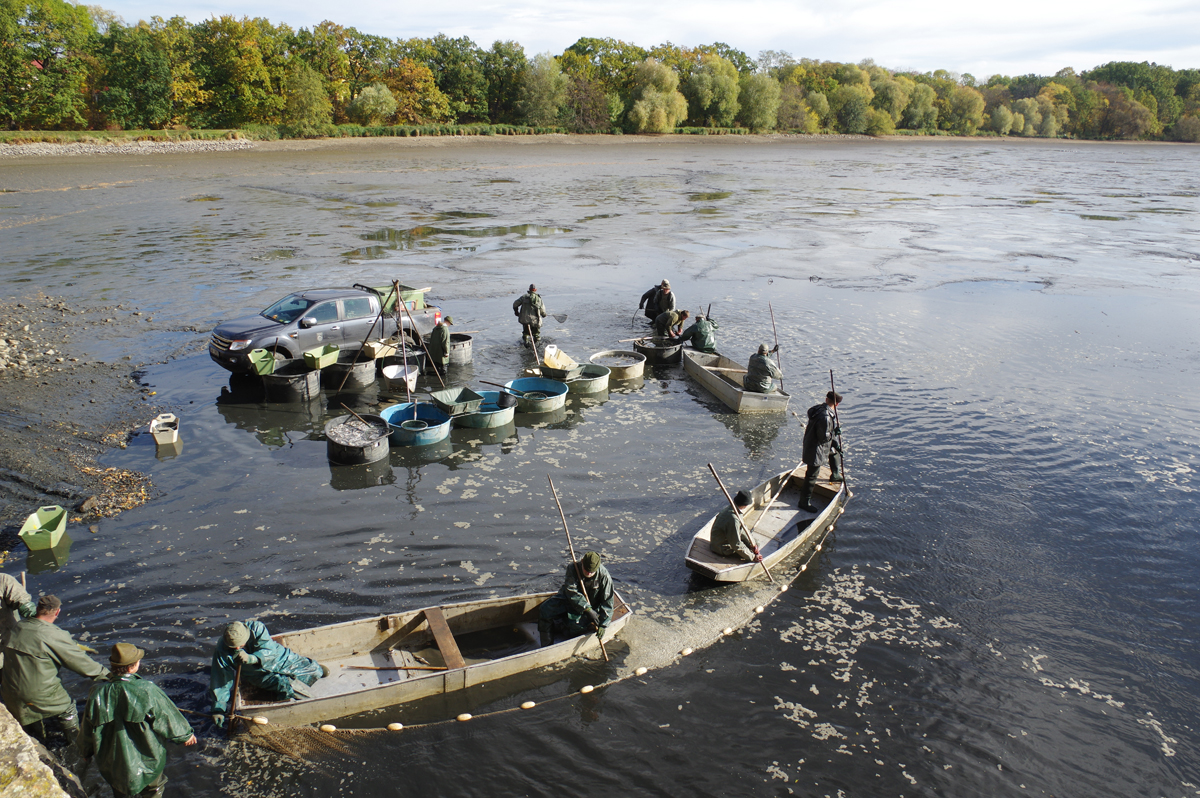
(1008, 606)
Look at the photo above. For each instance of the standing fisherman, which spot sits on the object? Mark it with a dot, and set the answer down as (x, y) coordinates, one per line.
(14, 601)
(125, 723)
(570, 613)
(820, 447)
(265, 664)
(701, 334)
(657, 299)
(439, 345)
(36, 651)
(762, 372)
(530, 311)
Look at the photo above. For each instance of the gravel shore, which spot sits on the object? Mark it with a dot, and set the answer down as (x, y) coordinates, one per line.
(121, 148)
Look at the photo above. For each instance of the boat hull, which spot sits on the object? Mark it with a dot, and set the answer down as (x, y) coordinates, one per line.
(786, 531)
(721, 377)
(381, 640)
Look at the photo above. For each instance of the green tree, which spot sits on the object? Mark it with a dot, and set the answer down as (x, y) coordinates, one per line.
(44, 55)
(374, 105)
(588, 109)
(849, 105)
(1001, 120)
(879, 123)
(543, 91)
(794, 111)
(324, 49)
(1186, 129)
(457, 67)
(742, 62)
(134, 90)
(712, 92)
(657, 107)
(610, 62)
(819, 104)
(921, 112)
(891, 93)
(308, 110)
(419, 100)
(504, 68)
(964, 111)
(367, 58)
(243, 66)
(759, 97)
(1031, 116)
(187, 93)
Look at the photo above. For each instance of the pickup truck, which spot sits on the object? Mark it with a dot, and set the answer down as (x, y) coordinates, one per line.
(317, 317)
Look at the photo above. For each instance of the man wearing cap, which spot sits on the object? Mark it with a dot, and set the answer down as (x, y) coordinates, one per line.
(820, 447)
(667, 323)
(762, 372)
(439, 345)
(651, 299)
(36, 651)
(125, 723)
(701, 335)
(729, 536)
(530, 311)
(265, 664)
(15, 603)
(570, 613)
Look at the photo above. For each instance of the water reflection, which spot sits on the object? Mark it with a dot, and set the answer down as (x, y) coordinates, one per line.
(44, 560)
(452, 238)
(360, 476)
(277, 426)
(757, 431)
(168, 451)
(405, 456)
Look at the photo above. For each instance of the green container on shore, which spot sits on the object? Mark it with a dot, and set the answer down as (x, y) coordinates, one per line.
(322, 356)
(262, 361)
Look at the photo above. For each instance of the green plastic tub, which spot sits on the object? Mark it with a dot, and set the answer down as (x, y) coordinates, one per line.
(455, 401)
(322, 356)
(262, 361)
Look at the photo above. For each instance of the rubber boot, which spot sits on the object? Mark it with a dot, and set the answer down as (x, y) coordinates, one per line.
(835, 467)
(806, 488)
(546, 632)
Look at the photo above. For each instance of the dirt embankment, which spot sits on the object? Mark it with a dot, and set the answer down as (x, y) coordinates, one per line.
(59, 412)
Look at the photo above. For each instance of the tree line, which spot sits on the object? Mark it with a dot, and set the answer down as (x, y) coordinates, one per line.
(73, 67)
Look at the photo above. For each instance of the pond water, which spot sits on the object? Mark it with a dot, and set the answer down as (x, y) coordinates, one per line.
(1008, 606)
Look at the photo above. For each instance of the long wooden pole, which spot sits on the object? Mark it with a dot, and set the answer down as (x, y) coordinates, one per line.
(837, 425)
(578, 574)
(233, 700)
(421, 341)
(777, 352)
(738, 517)
(404, 350)
(533, 343)
(371, 330)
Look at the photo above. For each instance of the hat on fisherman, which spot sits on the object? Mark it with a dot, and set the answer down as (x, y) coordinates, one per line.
(590, 562)
(742, 498)
(666, 284)
(447, 320)
(125, 654)
(236, 635)
(532, 287)
(763, 349)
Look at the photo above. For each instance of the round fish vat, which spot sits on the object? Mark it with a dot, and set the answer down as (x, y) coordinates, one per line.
(346, 373)
(489, 415)
(555, 394)
(460, 349)
(659, 351)
(350, 442)
(432, 425)
(592, 379)
(401, 378)
(622, 364)
(292, 381)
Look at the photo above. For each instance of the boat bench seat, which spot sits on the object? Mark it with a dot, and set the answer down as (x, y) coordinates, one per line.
(444, 638)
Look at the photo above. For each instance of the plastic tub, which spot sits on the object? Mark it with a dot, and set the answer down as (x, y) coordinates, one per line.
(436, 424)
(348, 442)
(621, 363)
(489, 414)
(322, 356)
(554, 392)
(292, 381)
(591, 379)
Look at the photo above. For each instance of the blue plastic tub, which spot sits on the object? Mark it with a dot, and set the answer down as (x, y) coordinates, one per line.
(432, 424)
(490, 413)
(555, 394)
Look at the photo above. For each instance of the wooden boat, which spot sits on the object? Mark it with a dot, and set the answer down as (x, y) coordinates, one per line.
(658, 351)
(785, 531)
(722, 378)
(477, 642)
(44, 529)
(489, 415)
(621, 364)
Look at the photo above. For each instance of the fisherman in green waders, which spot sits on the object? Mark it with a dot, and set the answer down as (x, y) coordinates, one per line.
(701, 335)
(439, 345)
(667, 323)
(124, 725)
(36, 651)
(729, 536)
(265, 664)
(569, 613)
(530, 310)
(761, 371)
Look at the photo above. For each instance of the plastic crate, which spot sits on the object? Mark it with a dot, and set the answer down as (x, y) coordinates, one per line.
(322, 356)
(456, 400)
(262, 361)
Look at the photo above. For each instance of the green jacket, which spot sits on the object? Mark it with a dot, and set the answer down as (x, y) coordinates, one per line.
(14, 601)
(702, 336)
(729, 536)
(274, 670)
(439, 344)
(760, 373)
(530, 309)
(36, 652)
(600, 588)
(666, 322)
(123, 726)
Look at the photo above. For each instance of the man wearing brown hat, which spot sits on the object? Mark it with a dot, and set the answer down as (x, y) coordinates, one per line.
(530, 310)
(265, 664)
(36, 651)
(729, 536)
(577, 609)
(125, 723)
(651, 299)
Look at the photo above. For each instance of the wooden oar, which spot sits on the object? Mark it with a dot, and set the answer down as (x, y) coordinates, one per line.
(421, 341)
(723, 368)
(837, 425)
(366, 423)
(233, 701)
(779, 355)
(738, 517)
(396, 667)
(505, 387)
(627, 340)
(370, 331)
(533, 343)
(578, 574)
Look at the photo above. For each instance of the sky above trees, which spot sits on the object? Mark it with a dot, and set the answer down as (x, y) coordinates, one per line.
(1016, 37)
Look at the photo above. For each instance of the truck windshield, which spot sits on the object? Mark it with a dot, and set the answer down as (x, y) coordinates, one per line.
(288, 309)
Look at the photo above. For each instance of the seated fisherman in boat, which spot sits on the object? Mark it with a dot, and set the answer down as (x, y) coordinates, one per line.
(701, 335)
(668, 323)
(729, 536)
(265, 664)
(762, 372)
(570, 613)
